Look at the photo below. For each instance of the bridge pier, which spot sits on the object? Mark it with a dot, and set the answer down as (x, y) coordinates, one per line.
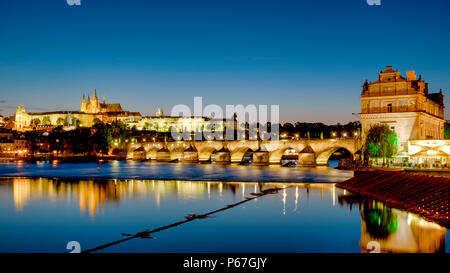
(163, 155)
(223, 156)
(139, 154)
(260, 158)
(190, 155)
(307, 157)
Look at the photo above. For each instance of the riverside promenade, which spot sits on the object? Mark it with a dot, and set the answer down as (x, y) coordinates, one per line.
(421, 194)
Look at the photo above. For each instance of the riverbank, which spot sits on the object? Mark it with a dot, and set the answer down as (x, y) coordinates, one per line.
(425, 195)
(429, 172)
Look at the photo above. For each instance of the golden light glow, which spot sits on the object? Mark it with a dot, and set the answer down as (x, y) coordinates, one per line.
(431, 143)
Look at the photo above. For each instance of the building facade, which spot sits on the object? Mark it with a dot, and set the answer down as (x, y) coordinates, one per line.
(404, 104)
(90, 111)
(415, 114)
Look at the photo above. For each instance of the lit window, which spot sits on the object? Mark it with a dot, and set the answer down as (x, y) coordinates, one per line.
(389, 107)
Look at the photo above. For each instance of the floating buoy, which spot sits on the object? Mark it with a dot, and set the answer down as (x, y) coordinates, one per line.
(98, 168)
(27, 166)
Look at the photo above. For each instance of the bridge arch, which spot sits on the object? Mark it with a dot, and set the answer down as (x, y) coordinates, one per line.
(276, 155)
(177, 153)
(151, 153)
(205, 153)
(323, 157)
(237, 155)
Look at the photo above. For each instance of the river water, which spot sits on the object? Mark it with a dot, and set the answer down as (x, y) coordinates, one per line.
(62, 202)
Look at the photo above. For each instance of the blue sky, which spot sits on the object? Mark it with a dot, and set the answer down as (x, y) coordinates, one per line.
(310, 57)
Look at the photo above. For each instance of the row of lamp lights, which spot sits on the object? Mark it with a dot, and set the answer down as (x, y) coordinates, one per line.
(333, 135)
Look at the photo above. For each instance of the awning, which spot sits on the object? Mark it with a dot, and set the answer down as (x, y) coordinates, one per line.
(431, 154)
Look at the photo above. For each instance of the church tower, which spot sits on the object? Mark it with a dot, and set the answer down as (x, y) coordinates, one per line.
(88, 104)
(95, 103)
(83, 104)
(21, 118)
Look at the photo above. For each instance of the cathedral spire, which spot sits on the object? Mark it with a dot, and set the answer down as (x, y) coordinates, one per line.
(83, 104)
(95, 93)
(104, 100)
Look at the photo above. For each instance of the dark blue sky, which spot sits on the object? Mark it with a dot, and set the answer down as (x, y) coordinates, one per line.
(310, 57)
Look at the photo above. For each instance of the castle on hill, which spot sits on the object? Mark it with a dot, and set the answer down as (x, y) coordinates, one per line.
(90, 111)
(93, 106)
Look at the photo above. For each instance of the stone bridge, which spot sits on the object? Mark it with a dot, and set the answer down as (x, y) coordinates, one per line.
(310, 152)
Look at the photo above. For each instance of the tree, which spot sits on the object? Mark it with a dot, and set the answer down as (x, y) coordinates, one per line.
(35, 122)
(60, 121)
(447, 130)
(46, 120)
(97, 121)
(381, 141)
(102, 139)
(79, 141)
(288, 127)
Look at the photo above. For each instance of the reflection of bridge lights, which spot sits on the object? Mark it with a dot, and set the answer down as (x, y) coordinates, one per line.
(334, 195)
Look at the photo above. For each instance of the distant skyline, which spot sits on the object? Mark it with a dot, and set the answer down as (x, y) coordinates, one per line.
(310, 57)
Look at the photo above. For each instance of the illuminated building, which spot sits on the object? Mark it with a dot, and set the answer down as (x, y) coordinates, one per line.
(12, 143)
(90, 111)
(406, 106)
(162, 123)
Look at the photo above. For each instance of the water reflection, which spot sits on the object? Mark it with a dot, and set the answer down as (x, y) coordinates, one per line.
(306, 209)
(92, 195)
(396, 231)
